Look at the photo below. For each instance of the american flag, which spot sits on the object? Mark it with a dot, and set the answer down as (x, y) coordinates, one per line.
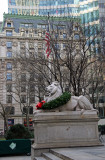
(47, 39)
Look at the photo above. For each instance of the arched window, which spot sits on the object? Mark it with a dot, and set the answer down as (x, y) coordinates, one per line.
(8, 24)
(76, 36)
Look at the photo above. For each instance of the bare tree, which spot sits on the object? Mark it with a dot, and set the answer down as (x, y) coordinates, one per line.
(76, 58)
(71, 60)
(5, 111)
(28, 84)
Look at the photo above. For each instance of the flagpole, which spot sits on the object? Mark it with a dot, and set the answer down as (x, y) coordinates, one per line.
(49, 25)
(49, 21)
(47, 38)
(50, 75)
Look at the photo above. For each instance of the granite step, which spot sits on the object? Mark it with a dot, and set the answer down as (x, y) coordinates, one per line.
(59, 154)
(75, 153)
(39, 158)
(82, 153)
(50, 156)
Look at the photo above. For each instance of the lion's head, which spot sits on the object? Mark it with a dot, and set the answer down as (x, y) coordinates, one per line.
(53, 91)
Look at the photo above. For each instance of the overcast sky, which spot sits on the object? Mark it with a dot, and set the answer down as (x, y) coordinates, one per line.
(3, 8)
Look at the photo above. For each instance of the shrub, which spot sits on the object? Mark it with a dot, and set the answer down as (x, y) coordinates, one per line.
(63, 99)
(18, 131)
(101, 129)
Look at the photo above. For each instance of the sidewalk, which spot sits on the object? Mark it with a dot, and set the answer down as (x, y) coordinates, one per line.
(103, 139)
(16, 157)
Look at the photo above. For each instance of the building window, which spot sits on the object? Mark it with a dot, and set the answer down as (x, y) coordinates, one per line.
(9, 87)
(64, 45)
(101, 99)
(64, 35)
(23, 98)
(56, 35)
(76, 36)
(8, 24)
(32, 99)
(41, 26)
(23, 88)
(35, 31)
(57, 46)
(9, 54)
(9, 44)
(9, 66)
(26, 31)
(26, 25)
(32, 88)
(10, 110)
(9, 98)
(76, 28)
(25, 110)
(8, 33)
(9, 76)
(31, 110)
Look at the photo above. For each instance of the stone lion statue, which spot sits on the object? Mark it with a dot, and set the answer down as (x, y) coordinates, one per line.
(53, 91)
(75, 103)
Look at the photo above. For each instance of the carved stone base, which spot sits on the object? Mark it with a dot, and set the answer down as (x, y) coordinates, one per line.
(65, 129)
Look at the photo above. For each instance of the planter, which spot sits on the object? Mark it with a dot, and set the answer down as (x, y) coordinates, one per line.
(15, 146)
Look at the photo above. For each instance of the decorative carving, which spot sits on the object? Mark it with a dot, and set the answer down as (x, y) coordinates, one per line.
(14, 44)
(3, 43)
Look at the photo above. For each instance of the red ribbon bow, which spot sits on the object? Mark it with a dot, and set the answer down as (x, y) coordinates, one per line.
(40, 104)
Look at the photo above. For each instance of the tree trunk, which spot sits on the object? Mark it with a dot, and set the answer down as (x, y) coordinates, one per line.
(5, 125)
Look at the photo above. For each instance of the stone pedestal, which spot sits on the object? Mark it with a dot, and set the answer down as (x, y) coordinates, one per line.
(64, 129)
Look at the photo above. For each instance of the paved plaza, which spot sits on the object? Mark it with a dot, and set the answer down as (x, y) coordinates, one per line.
(15, 157)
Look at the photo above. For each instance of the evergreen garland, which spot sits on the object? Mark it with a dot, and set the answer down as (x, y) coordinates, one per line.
(63, 99)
